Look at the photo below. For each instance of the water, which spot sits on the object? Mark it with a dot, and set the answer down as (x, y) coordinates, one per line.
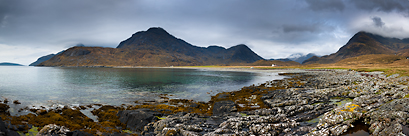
(115, 86)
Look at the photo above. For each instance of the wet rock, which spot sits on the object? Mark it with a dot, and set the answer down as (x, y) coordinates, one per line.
(16, 102)
(339, 120)
(52, 130)
(79, 133)
(389, 118)
(224, 107)
(180, 124)
(137, 119)
(4, 131)
(3, 128)
(3, 108)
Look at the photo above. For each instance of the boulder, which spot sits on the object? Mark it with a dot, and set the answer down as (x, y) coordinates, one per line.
(137, 119)
(53, 129)
(223, 107)
(6, 132)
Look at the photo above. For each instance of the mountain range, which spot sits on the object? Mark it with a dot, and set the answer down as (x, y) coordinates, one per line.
(364, 43)
(154, 47)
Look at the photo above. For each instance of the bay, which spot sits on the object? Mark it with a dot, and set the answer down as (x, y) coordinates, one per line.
(115, 86)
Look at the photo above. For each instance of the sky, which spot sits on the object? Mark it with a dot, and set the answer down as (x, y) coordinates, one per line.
(275, 29)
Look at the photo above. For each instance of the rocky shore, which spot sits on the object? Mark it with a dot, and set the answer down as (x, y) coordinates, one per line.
(312, 103)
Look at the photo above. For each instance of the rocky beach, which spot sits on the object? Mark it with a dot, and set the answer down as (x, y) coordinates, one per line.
(315, 103)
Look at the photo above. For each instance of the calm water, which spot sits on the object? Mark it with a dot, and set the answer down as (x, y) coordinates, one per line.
(115, 86)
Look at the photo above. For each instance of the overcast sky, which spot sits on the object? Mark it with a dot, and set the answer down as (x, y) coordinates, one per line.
(272, 28)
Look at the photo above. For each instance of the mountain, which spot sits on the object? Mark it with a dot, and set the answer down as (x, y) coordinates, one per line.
(49, 56)
(42, 59)
(364, 43)
(154, 47)
(10, 64)
(300, 58)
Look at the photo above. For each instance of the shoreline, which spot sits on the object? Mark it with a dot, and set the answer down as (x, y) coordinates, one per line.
(284, 107)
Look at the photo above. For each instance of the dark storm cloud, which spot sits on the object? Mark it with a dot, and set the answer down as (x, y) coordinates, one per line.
(382, 5)
(311, 28)
(272, 28)
(378, 21)
(326, 5)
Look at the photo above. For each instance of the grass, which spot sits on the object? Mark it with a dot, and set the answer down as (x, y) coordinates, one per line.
(244, 114)
(388, 64)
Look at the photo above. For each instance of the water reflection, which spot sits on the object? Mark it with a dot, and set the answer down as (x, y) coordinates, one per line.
(116, 86)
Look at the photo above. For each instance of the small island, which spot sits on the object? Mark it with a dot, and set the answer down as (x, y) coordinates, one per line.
(10, 64)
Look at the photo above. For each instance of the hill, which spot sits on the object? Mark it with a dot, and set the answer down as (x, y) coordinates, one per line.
(154, 47)
(42, 59)
(10, 64)
(49, 56)
(363, 43)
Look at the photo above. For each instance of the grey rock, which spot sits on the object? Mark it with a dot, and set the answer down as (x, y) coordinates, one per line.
(224, 107)
(135, 120)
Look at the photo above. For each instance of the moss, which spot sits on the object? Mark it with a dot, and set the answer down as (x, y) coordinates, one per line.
(72, 119)
(127, 131)
(244, 114)
(3, 108)
(160, 117)
(316, 120)
(31, 132)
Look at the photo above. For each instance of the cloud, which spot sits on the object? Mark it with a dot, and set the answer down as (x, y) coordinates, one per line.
(311, 28)
(273, 29)
(385, 24)
(378, 22)
(326, 5)
(382, 5)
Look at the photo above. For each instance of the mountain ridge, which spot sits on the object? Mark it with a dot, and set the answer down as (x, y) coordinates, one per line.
(154, 47)
(363, 43)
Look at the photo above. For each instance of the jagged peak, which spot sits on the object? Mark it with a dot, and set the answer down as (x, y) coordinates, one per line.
(239, 46)
(152, 30)
(157, 30)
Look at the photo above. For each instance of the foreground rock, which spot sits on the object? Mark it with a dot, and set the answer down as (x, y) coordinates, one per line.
(4, 131)
(375, 99)
(306, 103)
(137, 119)
(52, 130)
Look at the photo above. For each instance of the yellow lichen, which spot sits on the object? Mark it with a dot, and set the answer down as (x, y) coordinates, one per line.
(350, 108)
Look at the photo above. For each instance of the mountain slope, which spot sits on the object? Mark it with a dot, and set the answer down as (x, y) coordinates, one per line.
(49, 56)
(363, 43)
(42, 59)
(154, 47)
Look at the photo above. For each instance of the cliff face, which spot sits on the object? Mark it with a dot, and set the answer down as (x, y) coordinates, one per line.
(154, 47)
(363, 43)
